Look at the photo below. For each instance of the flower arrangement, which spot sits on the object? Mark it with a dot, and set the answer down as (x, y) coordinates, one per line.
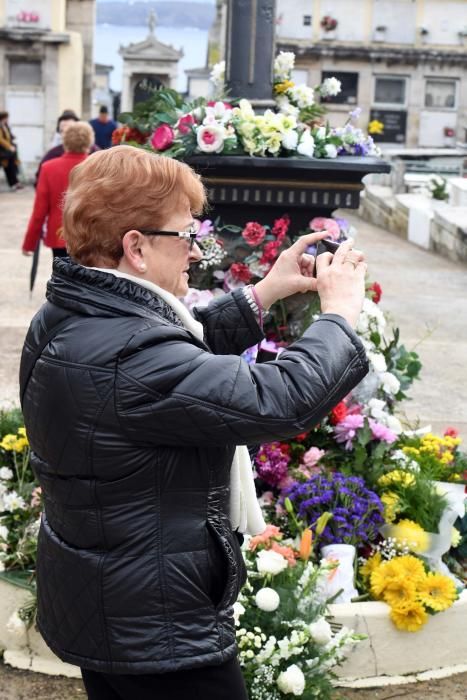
(328, 23)
(355, 512)
(286, 645)
(167, 124)
(407, 585)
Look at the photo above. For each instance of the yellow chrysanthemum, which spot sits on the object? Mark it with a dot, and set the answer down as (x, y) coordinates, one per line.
(397, 476)
(390, 502)
(456, 537)
(370, 565)
(22, 432)
(399, 591)
(409, 566)
(408, 533)
(409, 617)
(437, 591)
(8, 442)
(279, 88)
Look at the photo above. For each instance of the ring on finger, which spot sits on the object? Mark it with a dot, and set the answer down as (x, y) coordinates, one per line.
(352, 262)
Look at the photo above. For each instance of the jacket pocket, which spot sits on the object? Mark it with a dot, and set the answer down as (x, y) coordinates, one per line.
(224, 567)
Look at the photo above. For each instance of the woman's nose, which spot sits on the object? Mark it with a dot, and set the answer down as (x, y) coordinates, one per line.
(196, 253)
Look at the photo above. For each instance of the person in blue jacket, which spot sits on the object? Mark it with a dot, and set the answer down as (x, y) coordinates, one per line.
(103, 128)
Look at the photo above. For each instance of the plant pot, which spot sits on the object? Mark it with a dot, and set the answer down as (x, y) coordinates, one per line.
(342, 578)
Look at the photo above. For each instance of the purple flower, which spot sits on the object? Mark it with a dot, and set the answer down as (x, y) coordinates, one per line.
(381, 432)
(271, 463)
(357, 512)
(205, 229)
(346, 430)
(355, 113)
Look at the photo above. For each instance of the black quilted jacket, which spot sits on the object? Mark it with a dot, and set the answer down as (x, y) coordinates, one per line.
(133, 424)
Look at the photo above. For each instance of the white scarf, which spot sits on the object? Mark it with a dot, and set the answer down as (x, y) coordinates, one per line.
(245, 511)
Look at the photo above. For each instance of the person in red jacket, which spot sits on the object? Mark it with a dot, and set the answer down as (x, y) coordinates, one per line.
(52, 185)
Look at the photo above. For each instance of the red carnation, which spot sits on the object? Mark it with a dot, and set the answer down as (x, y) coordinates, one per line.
(338, 413)
(451, 432)
(284, 448)
(254, 233)
(377, 292)
(240, 272)
(280, 227)
(162, 138)
(185, 123)
(300, 437)
(270, 252)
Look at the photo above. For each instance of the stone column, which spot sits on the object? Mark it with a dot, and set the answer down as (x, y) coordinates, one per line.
(250, 49)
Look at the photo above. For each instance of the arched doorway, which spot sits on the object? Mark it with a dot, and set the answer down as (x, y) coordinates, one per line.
(143, 87)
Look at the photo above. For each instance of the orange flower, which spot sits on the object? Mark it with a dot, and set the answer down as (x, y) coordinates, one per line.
(305, 544)
(271, 532)
(287, 552)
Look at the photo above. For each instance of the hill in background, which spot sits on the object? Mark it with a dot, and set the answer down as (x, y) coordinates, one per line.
(169, 14)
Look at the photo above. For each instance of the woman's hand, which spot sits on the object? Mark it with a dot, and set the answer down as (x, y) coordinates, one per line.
(340, 280)
(291, 273)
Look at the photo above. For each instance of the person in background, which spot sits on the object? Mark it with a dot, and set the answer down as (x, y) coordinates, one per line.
(8, 153)
(56, 150)
(52, 184)
(103, 128)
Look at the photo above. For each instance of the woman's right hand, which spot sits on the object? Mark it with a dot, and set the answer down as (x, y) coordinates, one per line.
(341, 282)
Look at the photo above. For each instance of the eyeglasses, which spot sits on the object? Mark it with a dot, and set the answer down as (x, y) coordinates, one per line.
(189, 235)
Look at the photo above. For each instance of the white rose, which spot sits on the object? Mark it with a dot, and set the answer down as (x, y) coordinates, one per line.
(267, 599)
(321, 631)
(238, 610)
(15, 625)
(390, 383)
(306, 146)
(210, 138)
(270, 562)
(291, 681)
(6, 473)
(330, 87)
(290, 139)
(330, 150)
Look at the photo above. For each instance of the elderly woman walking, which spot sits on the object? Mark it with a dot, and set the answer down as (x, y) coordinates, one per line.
(138, 415)
(51, 187)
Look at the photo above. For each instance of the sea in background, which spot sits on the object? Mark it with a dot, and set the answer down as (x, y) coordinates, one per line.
(108, 38)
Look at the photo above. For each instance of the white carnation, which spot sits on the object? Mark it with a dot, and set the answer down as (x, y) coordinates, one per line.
(270, 562)
(210, 138)
(218, 73)
(283, 65)
(302, 95)
(390, 383)
(395, 425)
(330, 150)
(6, 473)
(330, 87)
(306, 146)
(291, 681)
(290, 139)
(267, 599)
(320, 631)
(378, 361)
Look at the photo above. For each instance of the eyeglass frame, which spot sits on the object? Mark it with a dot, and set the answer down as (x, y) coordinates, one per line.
(187, 235)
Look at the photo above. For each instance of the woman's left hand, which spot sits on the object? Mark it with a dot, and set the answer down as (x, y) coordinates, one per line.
(291, 273)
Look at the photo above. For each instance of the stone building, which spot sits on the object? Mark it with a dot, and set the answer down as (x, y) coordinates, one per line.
(46, 66)
(404, 62)
(147, 64)
(102, 94)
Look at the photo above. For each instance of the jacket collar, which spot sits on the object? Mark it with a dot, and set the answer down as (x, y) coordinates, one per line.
(91, 292)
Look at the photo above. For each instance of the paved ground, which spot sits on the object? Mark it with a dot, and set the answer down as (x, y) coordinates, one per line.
(427, 298)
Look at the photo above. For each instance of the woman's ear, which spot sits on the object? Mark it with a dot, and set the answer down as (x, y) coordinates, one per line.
(133, 254)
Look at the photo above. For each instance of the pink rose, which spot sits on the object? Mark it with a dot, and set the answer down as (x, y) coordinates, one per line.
(320, 223)
(162, 138)
(210, 139)
(185, 123)
(312, 456)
